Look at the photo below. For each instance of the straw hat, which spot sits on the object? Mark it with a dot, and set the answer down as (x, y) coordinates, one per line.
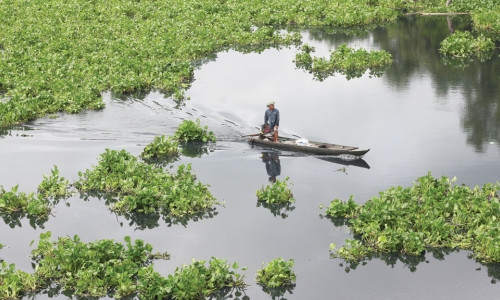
(269, 104)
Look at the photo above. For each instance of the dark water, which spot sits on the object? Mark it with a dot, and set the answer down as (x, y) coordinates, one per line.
(420, 116)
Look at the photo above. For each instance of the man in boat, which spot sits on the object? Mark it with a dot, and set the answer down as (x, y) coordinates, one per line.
(272, 120)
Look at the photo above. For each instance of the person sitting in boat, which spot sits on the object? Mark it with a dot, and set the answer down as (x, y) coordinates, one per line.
(272, 120)
(273, 165)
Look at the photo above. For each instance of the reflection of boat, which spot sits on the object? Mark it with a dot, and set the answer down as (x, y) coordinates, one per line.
(313, 147)
(357, 163)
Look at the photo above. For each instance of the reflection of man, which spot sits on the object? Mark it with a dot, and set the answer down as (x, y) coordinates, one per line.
(273, 166)
(272, 118)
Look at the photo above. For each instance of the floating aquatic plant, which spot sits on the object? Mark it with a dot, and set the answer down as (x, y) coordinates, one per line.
(433, 213)
(344, 60)
(54, 185)
(146, 188)
(191, 131)
(15, 283)
(277, 273)
(278, 192)
(160, 147)
(31, 203)
(463, 45)
(107, 268)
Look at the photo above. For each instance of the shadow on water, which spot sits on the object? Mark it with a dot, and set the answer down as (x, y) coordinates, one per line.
(14, 219)
(142, 221)
(196, 149)
(278, 293)
(277, 209)
(55, 291)
(360, 163)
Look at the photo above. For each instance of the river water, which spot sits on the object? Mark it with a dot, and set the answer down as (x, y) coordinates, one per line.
(420, 116)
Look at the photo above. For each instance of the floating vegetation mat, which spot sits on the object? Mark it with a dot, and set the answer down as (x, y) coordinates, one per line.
(277, 273)
(53, 59)
(277, 192)
(344, 60)
(145, 188)
(107, 268)
(433, 213)
(15, 205)
(461, 47)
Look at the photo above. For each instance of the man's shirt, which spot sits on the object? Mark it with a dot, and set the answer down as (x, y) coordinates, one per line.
(273, 117)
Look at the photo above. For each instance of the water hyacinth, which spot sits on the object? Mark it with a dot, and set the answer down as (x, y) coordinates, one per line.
(344, 60)
(161, 147)
(433, 213)
(146, 188)
(462, 44)
(277, 273)
(191, 131)
(107, 268)
(278, 192)
(53, 59)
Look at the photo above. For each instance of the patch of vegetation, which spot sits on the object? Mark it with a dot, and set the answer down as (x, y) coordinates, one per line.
(125, 46)
(344, 60)
(54, 185)
(278, 192)
(15, 283)
(161, 146)
(106, 268)
(146, 188)
(463, 45)
(191, 131)
(95, 268)
(277, 273)
(433, 213)
(194, 281)
(15, 201)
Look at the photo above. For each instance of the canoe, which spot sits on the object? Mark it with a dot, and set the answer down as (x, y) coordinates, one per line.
(313, 147)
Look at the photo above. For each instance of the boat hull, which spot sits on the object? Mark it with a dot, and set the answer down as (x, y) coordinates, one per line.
(338, 150)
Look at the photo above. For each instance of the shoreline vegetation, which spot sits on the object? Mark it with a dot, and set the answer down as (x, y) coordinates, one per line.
(54, 60)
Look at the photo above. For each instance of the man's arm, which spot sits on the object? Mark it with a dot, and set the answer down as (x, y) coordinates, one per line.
(265, 117)
(277, 118)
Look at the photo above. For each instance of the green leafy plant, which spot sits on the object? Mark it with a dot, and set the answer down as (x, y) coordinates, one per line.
(462, 44)
(194, 281)
(277, 273)
(433, 213)
(103, 46)
(54, 185)
(146, 188)
(191, 131)
(14, 201)
(161, 147)
(14, 283)
(278, 192)
(344, 60)
(106, 268)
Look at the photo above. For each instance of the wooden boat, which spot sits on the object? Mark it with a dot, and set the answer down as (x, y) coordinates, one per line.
(313, 147)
